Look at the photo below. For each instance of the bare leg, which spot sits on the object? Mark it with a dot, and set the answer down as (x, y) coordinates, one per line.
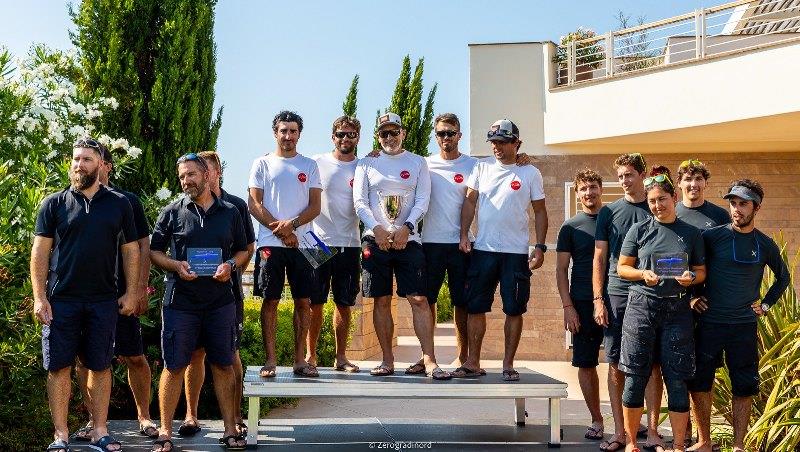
(302, 318)
(58, 393)
(384, 328)
(701, 406)
(476, 328)
(193, 379)
(139, 378)
(224, 389)
(512, 331)
(99, 386)
(433, 330)
(590, 387)
(314, 327)
(616, 381)
(678, 422)
(341, 329)
(423, 328)
(741, 417)
(652, 400)
(269, 326)
(169, 391)
(238, 383)
(460, 320)
(82, 375)
(632, 417)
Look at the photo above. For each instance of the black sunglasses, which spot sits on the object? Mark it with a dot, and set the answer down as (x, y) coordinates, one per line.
(194, 158)
(86, 143)
(341, 135)
(385, 133)
(446, 133)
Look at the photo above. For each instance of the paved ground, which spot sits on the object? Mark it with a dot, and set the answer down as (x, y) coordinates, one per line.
(319, 424)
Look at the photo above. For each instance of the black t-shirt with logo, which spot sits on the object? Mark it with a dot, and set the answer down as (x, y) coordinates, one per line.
(86, 234)
(707, 216)
(576, 237)
(613, 223)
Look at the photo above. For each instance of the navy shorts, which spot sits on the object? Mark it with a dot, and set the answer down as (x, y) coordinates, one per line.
(486, 270)
(129, 336)
(340, 275)
(612, 334)
(656, 326)
(257, 292)
(238, 297)
(407, 265)
(586, 342)
(84, 329)
(278, 264)
(739, 342)
(441, 258)
(183, 332)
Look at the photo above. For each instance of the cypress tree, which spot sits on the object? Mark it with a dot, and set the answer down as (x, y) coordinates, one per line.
(157, 58)
(349, 106)
(399, 101)
(407, 102)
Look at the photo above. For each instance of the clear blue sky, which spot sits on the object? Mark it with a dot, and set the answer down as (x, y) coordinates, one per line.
(302, 55)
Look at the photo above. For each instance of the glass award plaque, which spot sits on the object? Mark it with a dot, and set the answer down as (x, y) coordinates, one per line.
(204, 261)
(670, 265)
(315, 250)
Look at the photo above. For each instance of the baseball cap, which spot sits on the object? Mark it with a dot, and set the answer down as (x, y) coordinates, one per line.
(743, 192)
(389, 118)
(503, 130)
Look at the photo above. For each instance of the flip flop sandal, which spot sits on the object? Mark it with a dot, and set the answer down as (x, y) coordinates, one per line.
(84, 433)
(306, 371)
(415, 369)
(440, 374)
(59, 445)
(463, 372)
(347, 367)
(608, 448)
(162, 443)
(187, 429)
(103, 443)
(144, 428)
(593, 433)
(381, 371)
(229, 442)
(242, 429)
(511, 375)
(267, 372)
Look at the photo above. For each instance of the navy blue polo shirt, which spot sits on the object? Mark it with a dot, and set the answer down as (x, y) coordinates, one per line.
(86, 234)
(142, 231)
(184, 224)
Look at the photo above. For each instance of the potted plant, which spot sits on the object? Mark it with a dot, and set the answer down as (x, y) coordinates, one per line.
(588, 55)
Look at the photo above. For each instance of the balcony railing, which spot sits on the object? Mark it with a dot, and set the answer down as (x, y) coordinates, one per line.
(705, 33)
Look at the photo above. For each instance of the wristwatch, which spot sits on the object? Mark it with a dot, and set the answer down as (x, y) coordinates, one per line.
(541, 246)
(410, 227)
(765, 307)
(296, 223)
(232, 263)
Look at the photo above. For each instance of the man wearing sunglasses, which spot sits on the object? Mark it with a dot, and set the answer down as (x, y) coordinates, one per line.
(285, 195)
(199, 306)
(736, 255)
(501, 253)
(337, 226)
(73, 273)
(391, 193)
(694, 209)
(611, 292)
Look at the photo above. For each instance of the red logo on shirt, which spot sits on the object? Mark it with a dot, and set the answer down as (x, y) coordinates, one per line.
(367, 253)
(265, 253)
(515, 185)
(405, 174)
(458, 178)
(351, 183)
(302, 177)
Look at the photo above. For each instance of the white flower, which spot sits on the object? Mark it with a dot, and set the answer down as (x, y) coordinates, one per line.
(163, 193)
(21, 141)
(51, 154)
(120, 143)
(92, 113)
(109, 102)
(55, 132)
(26, 124)
(105, 140)
(134, 152)
(76, 109)
(58, 94)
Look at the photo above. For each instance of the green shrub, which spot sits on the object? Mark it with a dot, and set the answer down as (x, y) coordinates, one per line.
(444, 306)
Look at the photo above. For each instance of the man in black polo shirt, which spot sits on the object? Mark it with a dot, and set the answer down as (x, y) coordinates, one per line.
(736, 255)
(576, 243)
(199, 311)
(73, 273)
(694, 208)
(196, 372)
(128, 342)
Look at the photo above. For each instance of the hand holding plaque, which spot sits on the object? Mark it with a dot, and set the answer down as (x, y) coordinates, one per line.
(670, 265)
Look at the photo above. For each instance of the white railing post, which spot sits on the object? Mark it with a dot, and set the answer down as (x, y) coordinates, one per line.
(571, 63)
(609, 54)
(699, 32)
(702, 33)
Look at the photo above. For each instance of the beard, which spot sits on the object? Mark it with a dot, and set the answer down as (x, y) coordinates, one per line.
(194, 190)
(347, 150)
(744, 221)
(82, 180)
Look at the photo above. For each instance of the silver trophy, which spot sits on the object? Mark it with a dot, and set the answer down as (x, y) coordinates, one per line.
(391, 206)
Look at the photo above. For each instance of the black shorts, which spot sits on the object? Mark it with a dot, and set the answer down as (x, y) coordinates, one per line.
(257, 292)
(238, 297)
(407, 266)
(128, 340)
(339, 274)
(441, 258)
(586, 342)
(183, 332)
(84, 329)
(612, 334)
(277, 263)
(739, 342)
(655, 326)
(486, 270)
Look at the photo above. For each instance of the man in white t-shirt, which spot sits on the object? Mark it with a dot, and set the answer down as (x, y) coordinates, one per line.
(391, 194)
(501, 191)
(285, 192)
(337, 226)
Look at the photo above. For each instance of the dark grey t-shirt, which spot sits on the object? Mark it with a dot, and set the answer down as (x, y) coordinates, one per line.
(613, 223)
(731, 286)
(707, 216)
(576, 237)
(649, 237)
